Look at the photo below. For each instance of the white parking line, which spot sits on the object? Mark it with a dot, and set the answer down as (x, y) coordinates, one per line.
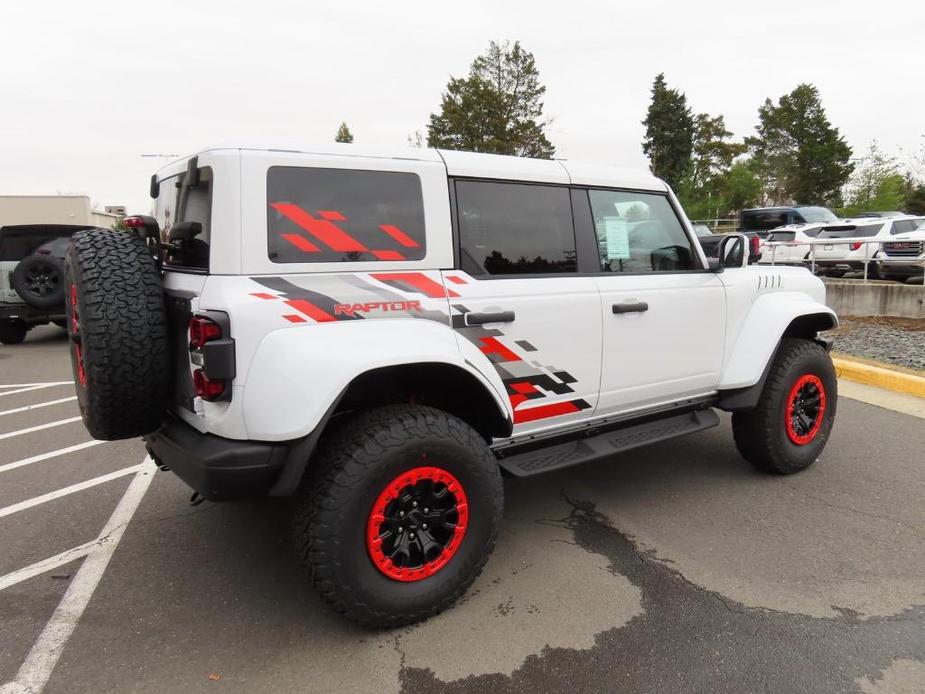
(51, 454)
(64, 491)
(59, 423)
(40, 567)
(34, 673)
(26, 387)
(37, 405)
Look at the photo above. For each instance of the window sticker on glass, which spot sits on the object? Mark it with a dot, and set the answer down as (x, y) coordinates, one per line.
(616, 233)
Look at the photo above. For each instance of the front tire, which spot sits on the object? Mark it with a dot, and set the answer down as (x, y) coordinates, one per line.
(361, 522)
(787, 430)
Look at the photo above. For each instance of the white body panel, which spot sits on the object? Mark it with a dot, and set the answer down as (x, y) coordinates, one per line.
(672, 350)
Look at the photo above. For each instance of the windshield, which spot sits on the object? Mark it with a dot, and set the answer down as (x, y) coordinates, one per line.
(817, 214)
(702, 230)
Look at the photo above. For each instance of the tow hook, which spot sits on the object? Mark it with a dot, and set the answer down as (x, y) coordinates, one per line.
(157, 461)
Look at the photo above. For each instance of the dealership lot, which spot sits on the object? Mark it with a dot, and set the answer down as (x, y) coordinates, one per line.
(675, 568)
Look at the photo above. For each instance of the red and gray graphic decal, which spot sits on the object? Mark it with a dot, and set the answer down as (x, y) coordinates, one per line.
(526, 382)
(328, 236)
(356, 291)
(318, 307)
(415, 282)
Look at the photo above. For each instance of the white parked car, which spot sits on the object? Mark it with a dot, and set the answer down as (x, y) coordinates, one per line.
(791, 252)
(903, 256)
(380, 335)
(836, 259)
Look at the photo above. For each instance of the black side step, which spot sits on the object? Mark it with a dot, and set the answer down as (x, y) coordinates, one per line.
(602, 445)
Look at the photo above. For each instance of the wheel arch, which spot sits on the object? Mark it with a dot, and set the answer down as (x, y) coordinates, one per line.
(770, 321)
(441, 385)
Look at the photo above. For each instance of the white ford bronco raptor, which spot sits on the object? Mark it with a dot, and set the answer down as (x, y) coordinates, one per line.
(382, 336)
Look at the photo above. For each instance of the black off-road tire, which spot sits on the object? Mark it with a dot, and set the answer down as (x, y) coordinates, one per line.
(355, 463)
(39, 281)
(761, 434)
(117, 329)
(12, 332)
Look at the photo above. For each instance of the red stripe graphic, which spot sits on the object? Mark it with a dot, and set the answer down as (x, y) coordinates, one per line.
(456, 280)
(399, 235)
(421, 282)
(332, 215)
(310, 310)
(491, 346)
(388, 255)
(302, 243)
(263, 295)
(544, 411)
(523, 389)
(326, 232)
(292, 318)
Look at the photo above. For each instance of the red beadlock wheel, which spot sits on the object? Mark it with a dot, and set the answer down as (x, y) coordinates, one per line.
(805, 409)
(417, 524)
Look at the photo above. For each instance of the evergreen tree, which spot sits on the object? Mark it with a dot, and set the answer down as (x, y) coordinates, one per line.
(669, 140)
(343, 134)
(800, 156)
(496, 108)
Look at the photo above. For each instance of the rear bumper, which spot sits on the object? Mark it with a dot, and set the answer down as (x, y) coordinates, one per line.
(32, 316)
(220, 469)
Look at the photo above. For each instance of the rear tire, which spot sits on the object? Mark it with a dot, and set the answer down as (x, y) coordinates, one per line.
(12, 332)
(117, 329)
(363, 474)
(775, 436)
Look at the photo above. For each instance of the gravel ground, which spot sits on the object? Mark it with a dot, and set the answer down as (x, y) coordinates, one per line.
(898, 341)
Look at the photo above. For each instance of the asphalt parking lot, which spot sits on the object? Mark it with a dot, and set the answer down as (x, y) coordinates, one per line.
(672, 569)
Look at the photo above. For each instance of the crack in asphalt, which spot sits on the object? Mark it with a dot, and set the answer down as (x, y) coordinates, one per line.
(867, 514)
(691, 639)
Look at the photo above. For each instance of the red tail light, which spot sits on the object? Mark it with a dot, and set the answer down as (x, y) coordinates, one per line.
(756, 245)
(205, 388)
(855, 246)
(134, 222)
(202, 330)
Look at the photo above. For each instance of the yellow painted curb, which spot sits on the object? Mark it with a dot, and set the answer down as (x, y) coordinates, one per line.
(880, 377)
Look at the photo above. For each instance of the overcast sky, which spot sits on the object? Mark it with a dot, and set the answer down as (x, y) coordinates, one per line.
(90, 85)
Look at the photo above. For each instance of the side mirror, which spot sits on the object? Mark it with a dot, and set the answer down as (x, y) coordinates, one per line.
(714, 265)
(733, 251)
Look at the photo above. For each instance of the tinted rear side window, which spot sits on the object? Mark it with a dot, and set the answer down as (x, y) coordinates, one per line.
(764, 220)
(782, 236)
(330, 215)
(851, 233)
(513, 228)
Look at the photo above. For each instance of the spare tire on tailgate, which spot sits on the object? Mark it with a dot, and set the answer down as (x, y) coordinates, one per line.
(117, 328)
(39, 281)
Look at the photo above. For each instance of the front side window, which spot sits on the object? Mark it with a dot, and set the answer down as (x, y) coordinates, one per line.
(343, 215)
(639, 232)
(515, 228)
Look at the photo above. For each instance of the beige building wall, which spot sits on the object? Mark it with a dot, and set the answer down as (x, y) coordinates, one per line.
(51, 209)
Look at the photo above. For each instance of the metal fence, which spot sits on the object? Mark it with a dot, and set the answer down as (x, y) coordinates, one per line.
(870, 255)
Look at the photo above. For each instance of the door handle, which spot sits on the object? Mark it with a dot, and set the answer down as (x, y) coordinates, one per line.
(482, 318)
(632, 307)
